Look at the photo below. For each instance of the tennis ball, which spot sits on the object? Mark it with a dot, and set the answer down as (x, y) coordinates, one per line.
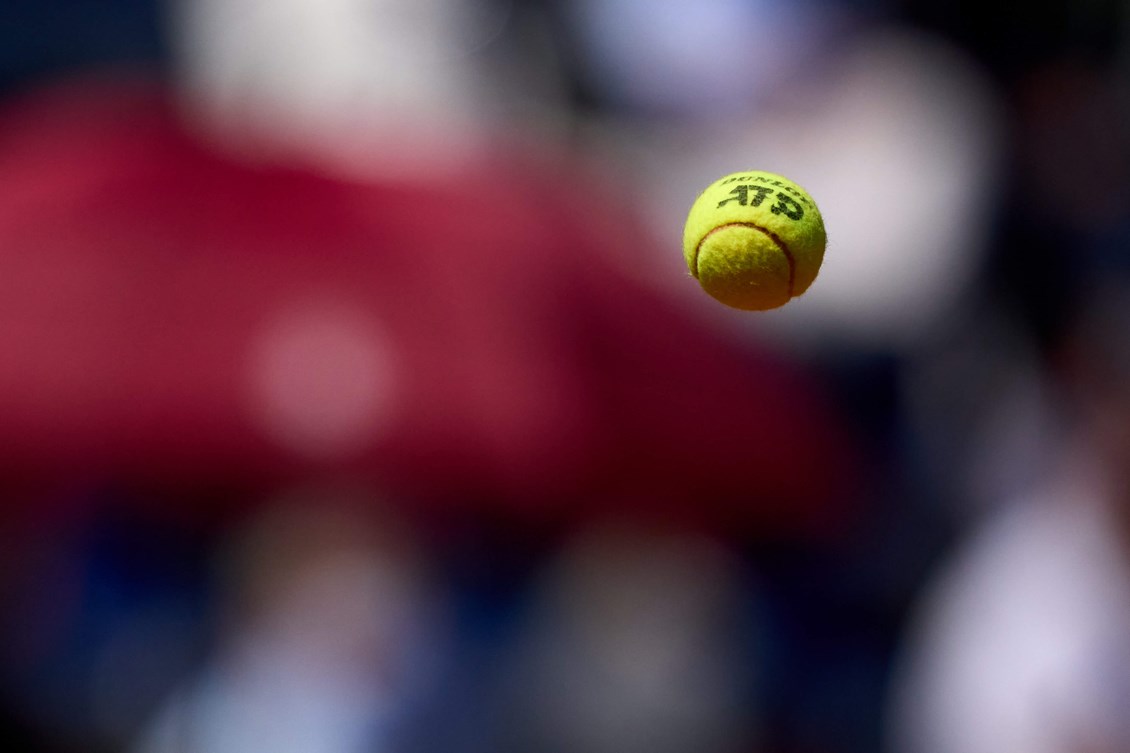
(754, 240)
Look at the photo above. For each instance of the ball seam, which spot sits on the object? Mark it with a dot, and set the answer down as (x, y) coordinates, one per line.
(784, 247)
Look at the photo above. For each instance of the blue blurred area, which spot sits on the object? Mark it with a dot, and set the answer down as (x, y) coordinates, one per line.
(353, 397)
(47, 40)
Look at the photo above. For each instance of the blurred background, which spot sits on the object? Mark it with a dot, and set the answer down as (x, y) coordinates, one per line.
(354, 395)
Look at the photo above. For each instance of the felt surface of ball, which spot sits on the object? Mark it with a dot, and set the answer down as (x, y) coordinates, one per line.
(754, 240)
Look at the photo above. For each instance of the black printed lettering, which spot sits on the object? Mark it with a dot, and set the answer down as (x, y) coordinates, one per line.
(740, 194)
(762, 192)
(787, 206)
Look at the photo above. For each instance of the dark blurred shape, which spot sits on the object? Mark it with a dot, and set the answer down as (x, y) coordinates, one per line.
(329, 632)
(45, 40)
(1065, 223)
(102, 614)
(1019, 641)
(640, 639)
(1012, 43)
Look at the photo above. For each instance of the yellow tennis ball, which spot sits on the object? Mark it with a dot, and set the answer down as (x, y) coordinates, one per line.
(754, 240)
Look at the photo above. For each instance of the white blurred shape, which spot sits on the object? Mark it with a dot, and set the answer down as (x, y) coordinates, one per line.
(897, 140)
(699, 58)
(340, 79)
(904, 186)
(1022, 642)
(323, 380)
